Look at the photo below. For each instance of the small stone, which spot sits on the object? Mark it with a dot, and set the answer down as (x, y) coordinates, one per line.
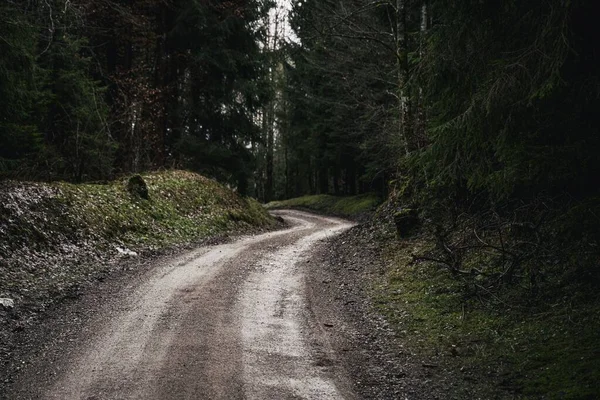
(7, 303)
(126, 252)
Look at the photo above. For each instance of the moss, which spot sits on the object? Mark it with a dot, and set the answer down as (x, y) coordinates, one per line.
(515, 348)
(182, 206)
(56, 236)
(350, 206)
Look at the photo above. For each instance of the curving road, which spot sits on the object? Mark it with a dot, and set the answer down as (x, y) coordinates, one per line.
(229, 321)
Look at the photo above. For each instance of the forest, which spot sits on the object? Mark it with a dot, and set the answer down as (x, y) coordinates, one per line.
(476, 118)
(476, 121)
(493, 100)
(475, 115)
(487, 99)
(93, 89)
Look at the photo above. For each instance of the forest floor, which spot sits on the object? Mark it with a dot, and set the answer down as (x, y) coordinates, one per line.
(383, 360)
(357, 208)
(368, 322)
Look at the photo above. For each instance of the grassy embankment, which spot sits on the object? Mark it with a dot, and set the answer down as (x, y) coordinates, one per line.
(508, 342)
(348, 206)
(55, 237)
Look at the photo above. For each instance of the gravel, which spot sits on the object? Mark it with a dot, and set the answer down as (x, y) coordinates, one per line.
(342, 274)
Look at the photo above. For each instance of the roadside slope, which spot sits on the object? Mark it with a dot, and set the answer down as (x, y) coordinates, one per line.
(353, 207)
(57, 238)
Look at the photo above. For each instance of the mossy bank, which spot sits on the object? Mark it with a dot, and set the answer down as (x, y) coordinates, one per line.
(500, 346)
(455, 335)
(56, 237)
(354, 207)
(490, 340)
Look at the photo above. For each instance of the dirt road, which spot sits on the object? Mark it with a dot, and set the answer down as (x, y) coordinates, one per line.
(229, 321)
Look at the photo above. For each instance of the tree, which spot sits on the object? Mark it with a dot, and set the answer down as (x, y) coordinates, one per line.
(93, 88)
(20, 137)
(78, 139)
(342, 71)
(219, 87)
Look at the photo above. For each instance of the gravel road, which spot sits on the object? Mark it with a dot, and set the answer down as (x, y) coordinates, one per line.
(229, 321)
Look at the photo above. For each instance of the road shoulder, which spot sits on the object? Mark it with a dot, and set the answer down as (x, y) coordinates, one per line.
(339, 279)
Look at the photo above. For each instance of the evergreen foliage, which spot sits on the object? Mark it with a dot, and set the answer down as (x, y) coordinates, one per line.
(220, 46)
(478, 117)
(20, 137)
(94, 88)
(516, 121)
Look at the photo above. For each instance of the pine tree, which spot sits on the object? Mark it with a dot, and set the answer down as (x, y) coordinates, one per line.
(20, 137)
(219, 87)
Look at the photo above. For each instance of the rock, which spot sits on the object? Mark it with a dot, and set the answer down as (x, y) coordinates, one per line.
(126, 252)
(7, 303)
(137, 187)
(406, 221)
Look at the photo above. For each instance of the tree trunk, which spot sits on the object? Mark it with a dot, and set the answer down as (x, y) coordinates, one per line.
(269, 155)
(272, 48)
(402, 71)
(420, 112)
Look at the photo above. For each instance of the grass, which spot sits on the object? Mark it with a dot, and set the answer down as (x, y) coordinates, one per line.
(507, 345)
(182, 206)
(55, 237)
(349, 206)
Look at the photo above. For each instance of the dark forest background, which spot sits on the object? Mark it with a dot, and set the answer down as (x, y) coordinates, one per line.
(480, 108)
(92, 89)
(462, 97)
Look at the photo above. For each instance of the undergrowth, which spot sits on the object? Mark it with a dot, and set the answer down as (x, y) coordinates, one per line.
(510, 344)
